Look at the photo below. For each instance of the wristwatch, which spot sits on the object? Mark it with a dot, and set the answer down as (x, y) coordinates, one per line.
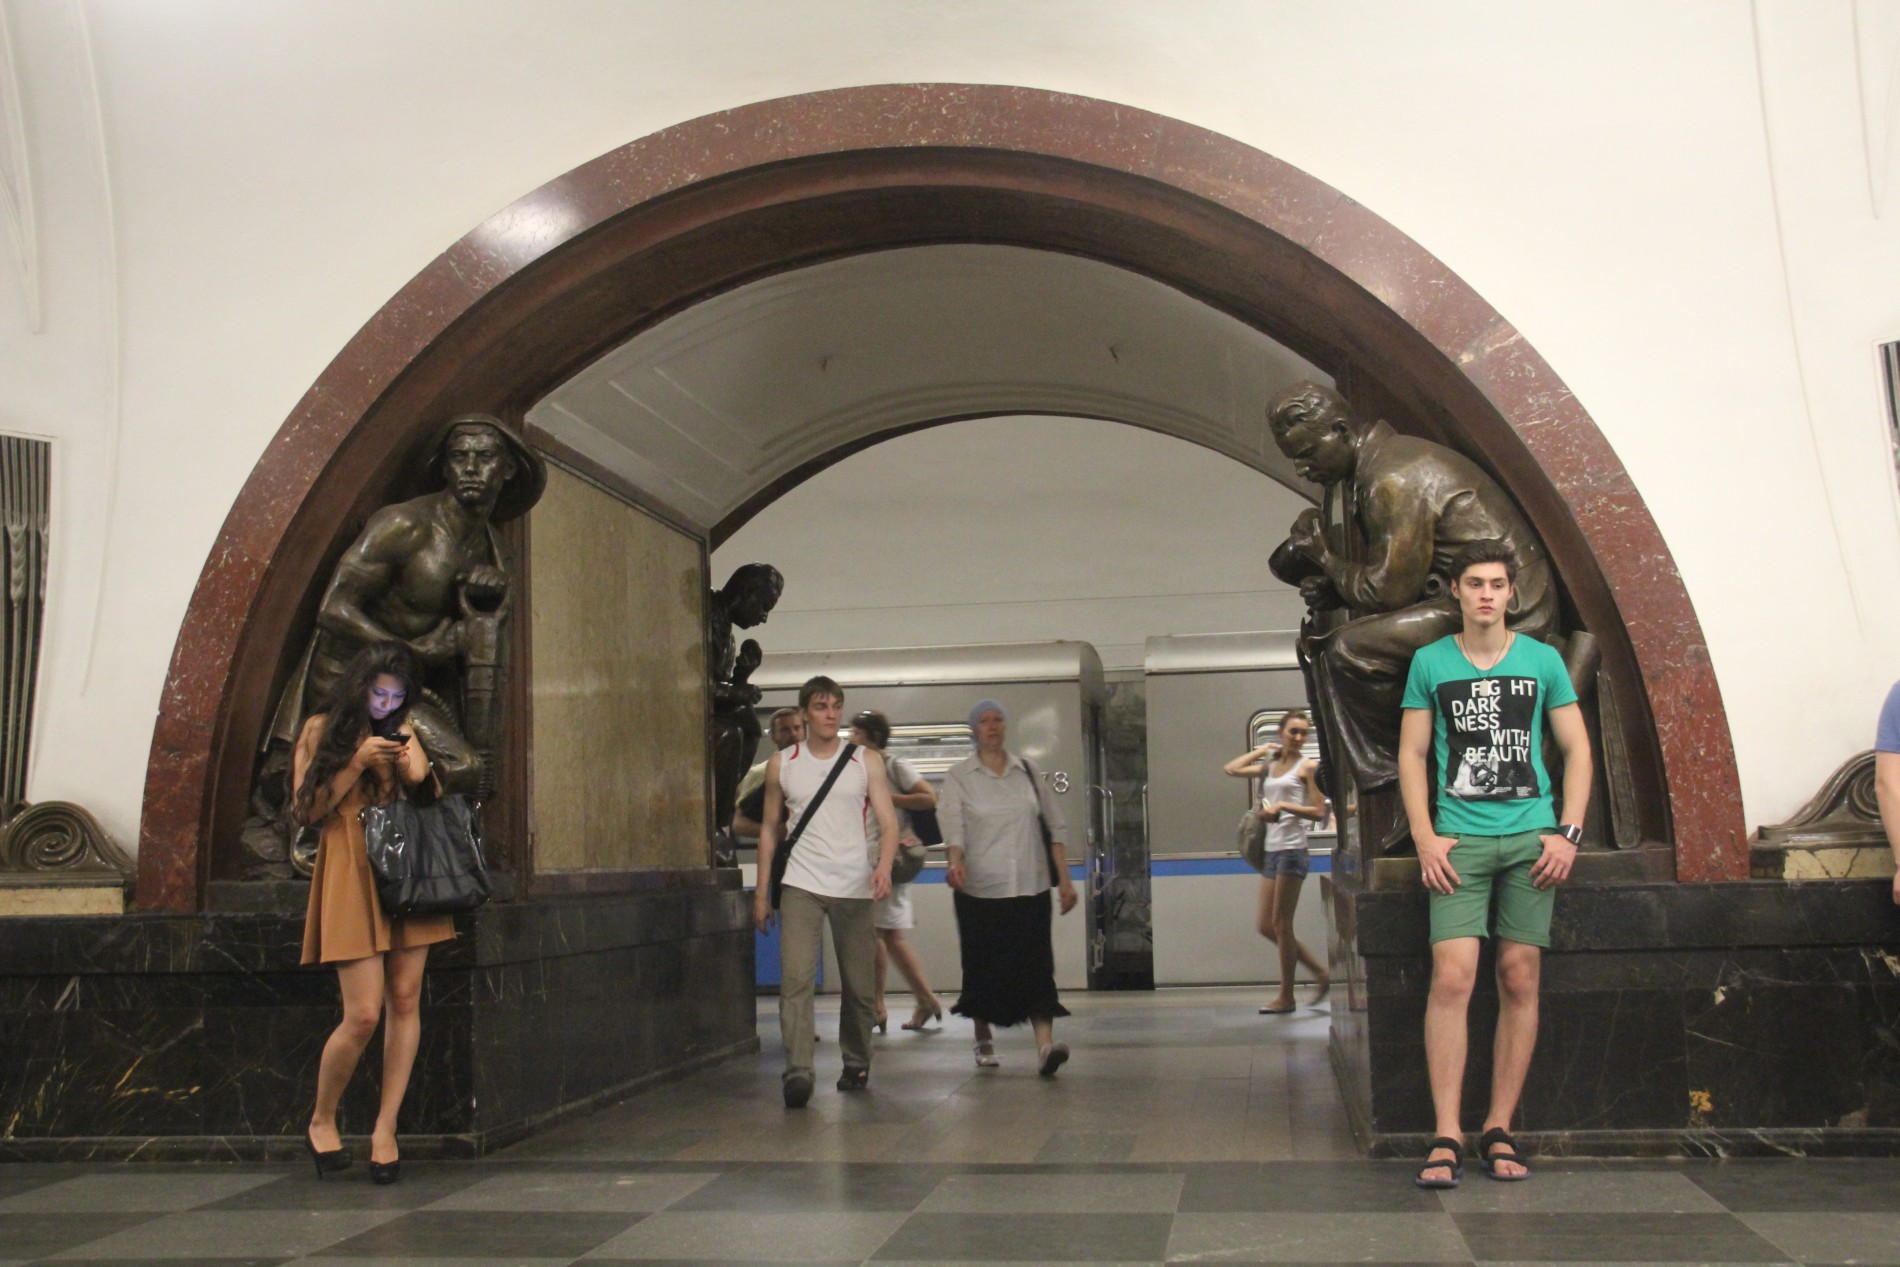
(1572, 833)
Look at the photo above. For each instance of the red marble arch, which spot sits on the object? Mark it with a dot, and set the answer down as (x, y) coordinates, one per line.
(581, 264)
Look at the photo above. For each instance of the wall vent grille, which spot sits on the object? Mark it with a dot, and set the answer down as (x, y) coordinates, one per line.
(25, 494)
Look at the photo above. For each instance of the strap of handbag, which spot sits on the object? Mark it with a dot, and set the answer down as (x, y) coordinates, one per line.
(1042, 824)
(784, 852)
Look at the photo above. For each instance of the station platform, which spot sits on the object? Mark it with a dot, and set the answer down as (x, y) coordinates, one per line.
(1187, 1128)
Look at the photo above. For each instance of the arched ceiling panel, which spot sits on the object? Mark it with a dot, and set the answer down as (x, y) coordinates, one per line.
(709, 408)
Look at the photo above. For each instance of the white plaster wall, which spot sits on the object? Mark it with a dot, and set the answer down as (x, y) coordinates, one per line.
(1605, 172)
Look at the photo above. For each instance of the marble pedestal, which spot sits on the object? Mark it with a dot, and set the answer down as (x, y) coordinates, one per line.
(1677, 1019)
(194, 1036)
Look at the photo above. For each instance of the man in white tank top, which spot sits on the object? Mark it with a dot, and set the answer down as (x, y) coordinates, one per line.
(829, 875)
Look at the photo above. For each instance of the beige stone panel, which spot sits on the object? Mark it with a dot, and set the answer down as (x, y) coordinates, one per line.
(619, 685)
(1837, 864)
(61, 900)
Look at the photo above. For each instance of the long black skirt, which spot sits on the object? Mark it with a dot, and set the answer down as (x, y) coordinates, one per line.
(1009, 965)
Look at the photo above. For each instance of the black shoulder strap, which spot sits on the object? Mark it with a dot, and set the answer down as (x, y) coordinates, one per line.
(780, 858)
(1042, 824)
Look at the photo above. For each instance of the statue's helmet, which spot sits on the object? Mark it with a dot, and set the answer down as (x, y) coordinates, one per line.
(524, 487)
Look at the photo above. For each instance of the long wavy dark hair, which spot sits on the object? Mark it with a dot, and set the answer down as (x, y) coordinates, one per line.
(347, 718)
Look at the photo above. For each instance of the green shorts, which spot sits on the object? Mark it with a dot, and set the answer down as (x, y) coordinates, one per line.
(1503, 863)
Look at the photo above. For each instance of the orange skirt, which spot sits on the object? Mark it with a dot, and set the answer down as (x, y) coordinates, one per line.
(344, 920)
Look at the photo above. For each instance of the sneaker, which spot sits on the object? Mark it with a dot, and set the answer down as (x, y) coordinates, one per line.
(1053, 1058)
(797, 1088)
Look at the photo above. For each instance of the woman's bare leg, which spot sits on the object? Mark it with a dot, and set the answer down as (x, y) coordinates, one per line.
(898, 949)
(879, 973)
(361, 981)
(402, 1034)
(1287, 902)
(1264, 922)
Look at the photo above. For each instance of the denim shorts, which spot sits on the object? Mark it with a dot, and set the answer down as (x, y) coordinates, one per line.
(1288, 862)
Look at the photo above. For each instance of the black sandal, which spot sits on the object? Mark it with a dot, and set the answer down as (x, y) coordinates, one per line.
(854, 1078)
(1489, 1159)
(1456, 1147)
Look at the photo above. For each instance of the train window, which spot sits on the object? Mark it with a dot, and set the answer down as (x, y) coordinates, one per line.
(1264, 727)
(932, 748)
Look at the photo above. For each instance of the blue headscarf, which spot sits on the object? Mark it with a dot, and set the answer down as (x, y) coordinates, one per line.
(984, 706)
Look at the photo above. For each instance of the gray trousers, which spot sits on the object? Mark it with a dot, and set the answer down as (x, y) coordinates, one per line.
(801, 916)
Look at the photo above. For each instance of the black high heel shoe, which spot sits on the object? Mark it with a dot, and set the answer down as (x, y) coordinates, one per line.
(385, 1171)
(327, 1163)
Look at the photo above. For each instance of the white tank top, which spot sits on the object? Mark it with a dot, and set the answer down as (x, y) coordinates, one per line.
(831, 858)
(1289, 830)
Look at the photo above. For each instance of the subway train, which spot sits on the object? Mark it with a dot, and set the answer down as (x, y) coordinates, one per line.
(1134, 758)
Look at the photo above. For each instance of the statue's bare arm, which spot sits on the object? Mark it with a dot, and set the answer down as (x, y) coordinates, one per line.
(1401, 530)
(367, 572)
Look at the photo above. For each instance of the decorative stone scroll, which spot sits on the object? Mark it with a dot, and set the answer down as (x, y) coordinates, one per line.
(59, 842)
(1837, 835)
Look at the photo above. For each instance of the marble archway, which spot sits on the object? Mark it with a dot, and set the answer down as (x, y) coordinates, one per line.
(580, 265)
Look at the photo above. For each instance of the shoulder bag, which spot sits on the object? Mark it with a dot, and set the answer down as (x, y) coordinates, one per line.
(1251, 840)
(427, 859)
(783, 854)
(908, 862)
(1042, 825)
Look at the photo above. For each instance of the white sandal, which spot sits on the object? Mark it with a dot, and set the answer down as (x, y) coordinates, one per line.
(986, 1055)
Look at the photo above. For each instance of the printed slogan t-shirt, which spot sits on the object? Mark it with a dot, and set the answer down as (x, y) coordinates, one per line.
(1487, 734)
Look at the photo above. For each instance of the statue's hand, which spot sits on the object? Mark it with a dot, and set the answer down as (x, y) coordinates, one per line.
(735, 695)
(485, 587)
(440, 644)
(1320, 594)
(1308, 535)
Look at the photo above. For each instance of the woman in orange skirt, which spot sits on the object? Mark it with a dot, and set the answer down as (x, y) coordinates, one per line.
(361, 751)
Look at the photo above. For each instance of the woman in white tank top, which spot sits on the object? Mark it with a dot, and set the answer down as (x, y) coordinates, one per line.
(1289, 799)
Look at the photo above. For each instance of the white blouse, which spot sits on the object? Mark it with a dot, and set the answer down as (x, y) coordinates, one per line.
(992, 819)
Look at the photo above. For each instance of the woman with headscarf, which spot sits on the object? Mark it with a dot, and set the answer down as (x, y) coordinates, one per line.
(1003, 833)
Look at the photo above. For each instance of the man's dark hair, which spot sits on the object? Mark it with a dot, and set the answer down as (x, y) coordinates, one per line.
(820, 685)
(876, 727)
(1486, 550)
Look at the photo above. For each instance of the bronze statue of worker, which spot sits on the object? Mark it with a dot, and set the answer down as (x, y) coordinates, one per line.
(746, 601)
(1405, 506)
(429, 573)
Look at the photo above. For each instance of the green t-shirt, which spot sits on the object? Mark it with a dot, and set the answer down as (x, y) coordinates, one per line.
(1487, 733)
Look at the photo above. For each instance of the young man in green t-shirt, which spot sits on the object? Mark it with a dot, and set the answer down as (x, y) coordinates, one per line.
(1476, 702)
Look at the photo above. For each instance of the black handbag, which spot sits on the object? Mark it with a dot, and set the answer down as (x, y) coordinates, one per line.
(427, 858)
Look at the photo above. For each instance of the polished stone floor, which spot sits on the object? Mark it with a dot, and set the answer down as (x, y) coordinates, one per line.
(1186, 1129)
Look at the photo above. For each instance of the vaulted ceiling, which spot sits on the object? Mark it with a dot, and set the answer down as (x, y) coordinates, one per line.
(743, 394)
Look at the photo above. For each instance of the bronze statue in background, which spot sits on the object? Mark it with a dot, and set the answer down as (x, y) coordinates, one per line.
(1400, 508)
(428, 573)
(747, 600)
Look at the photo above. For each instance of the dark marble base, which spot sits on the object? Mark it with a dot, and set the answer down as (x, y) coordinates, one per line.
(198, 1036)
(1697, 1020)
